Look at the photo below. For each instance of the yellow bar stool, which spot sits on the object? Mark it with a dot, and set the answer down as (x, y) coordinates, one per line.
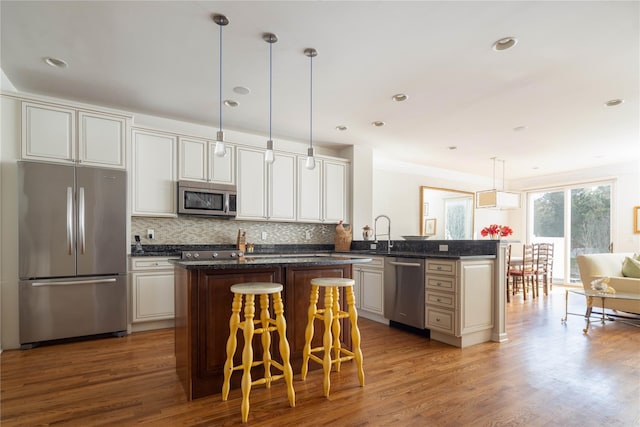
(266, 325)
(331, 315)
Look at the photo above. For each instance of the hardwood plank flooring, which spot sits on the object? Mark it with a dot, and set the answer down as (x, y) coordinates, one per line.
(547, 374)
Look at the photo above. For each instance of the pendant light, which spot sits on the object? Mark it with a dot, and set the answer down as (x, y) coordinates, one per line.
(271, 39)
(220, 149)
(497, 199)
(311, 161)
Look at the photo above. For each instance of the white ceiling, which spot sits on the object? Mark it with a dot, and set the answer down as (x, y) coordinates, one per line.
(161, 58)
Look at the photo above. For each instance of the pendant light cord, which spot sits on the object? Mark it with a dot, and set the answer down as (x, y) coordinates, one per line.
(220, 108)
(311, 104)
(270, 86)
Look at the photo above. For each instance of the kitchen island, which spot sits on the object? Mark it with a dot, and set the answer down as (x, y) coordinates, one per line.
(203, 307)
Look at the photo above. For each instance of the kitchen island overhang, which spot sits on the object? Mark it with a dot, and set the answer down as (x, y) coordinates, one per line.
(203, 307)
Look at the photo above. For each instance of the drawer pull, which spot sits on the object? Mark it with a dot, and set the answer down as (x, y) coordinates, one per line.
(438, 268)
(437, 319)
(438, 299)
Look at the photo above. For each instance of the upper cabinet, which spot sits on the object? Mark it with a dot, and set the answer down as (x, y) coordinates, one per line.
(281, 184)
(197, 161)
(335, 191)
(252, 184)
(68, 135)
(266, 191)
(153, 177)
(323, 192)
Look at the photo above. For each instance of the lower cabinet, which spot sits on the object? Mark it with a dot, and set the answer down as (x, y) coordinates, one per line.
(152, 293)
(369, 289)
(459, 301)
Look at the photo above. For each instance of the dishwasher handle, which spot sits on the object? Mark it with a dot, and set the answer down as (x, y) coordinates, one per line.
(405, 264)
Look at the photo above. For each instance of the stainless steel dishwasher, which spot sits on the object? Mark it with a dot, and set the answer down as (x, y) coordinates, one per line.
(404, 291)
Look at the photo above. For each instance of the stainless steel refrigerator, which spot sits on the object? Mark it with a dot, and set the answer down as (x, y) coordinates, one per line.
(72, 251)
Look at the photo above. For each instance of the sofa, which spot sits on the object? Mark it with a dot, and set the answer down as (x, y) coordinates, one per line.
(594, 266)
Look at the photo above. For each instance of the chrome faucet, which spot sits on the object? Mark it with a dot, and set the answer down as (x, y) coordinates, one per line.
(375, 231)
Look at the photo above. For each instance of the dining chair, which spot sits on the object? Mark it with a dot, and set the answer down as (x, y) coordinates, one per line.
(525, 273)
(509, 284)
(544, 266)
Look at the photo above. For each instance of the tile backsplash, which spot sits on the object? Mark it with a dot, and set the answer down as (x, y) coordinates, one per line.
(185, 230)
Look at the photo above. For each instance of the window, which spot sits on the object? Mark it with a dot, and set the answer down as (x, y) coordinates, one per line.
(577, 219)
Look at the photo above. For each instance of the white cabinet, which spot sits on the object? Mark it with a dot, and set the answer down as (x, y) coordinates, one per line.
(153, 177)
(152, 291)
(252, 184)
(222, 169)
(69, 135)
(282, 188)
(369, 289)
(197, 161)
(459, 300)
(335, 191)
(323, 192)
(309, 192)
(192, 155)
(266, 191)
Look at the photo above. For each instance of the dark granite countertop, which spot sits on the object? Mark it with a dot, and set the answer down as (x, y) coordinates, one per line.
(406, 254)
(176, 250)
(258, 262)
(456, 249)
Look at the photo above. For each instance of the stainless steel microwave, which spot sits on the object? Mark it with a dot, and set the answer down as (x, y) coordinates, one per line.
(203, 198)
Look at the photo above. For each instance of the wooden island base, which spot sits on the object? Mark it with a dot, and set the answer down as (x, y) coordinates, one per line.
(203, 307)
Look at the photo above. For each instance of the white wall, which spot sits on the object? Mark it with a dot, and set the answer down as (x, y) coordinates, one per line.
(396, 193)
(361, 187)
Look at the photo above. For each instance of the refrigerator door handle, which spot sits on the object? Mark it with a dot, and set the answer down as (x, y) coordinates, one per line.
(81, 230)
(70, 220)
(73, 282)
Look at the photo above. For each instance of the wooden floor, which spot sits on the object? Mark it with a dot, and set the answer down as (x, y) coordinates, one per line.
(547, 374)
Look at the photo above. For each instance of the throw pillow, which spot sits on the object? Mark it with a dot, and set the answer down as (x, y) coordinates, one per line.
(631, 267)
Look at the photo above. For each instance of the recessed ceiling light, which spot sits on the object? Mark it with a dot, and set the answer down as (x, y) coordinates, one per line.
(453, 147)
(230, 103)
(613, 102)
(341, 128)
(378, 123)
(505, 43)
(241, 90)
(520, 128)
(55, 62)
(400, 97)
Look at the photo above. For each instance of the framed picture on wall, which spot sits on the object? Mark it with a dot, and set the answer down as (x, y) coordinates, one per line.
(636, 219)
(429, 226)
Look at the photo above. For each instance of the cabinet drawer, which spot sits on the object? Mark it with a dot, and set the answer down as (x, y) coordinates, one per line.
(148, 263)
(376, 262)
(440, 282)
(441, 299)
(442, 320)
(441, 267)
